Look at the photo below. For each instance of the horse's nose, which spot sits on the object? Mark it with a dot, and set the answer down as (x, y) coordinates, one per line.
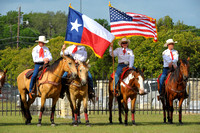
(83, 82)
(185, 77)
(74, 75)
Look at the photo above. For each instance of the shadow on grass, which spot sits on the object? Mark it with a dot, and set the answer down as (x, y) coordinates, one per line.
(105, 124)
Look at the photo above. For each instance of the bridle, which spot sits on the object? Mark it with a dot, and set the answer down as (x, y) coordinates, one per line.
(129, 87)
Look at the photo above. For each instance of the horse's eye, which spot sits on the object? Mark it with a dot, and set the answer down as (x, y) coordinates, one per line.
(80, 70)
(137, 78)
(70, 63)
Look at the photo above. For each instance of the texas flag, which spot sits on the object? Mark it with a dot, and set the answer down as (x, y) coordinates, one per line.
(82, 30)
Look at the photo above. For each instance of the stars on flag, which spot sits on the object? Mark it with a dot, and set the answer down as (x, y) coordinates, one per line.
(75, 25)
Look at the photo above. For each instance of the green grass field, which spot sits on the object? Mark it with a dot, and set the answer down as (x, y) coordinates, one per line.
(145, 123)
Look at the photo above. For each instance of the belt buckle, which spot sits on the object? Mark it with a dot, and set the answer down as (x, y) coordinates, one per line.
(126, 62)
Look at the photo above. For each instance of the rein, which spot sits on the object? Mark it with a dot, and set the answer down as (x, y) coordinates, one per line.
(129, 87)
(51, 82)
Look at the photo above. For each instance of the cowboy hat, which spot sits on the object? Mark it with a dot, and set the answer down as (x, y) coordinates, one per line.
(42, 39)
(124, 40)
(169, 41)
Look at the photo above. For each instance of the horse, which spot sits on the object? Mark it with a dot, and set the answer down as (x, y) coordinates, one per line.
(132, 83)
(48, 87)
(175, 88)
(2, 78)
(77, 92)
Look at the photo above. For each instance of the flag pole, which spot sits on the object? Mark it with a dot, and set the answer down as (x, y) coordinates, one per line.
(113, 60)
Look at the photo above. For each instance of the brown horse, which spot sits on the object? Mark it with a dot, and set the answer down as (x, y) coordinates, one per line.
(78, 91)
(48, 87)
(2, 78)
(131, 84)
(175, 88)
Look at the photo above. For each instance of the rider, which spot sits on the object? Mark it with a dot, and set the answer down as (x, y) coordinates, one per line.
(41, 55)
(79, 53)
(170, 59)
(125, 57)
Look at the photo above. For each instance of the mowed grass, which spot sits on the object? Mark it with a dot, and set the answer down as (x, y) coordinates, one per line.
(145, 123)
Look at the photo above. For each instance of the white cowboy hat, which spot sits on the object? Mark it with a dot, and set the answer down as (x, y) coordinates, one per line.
(124, 40)
(169, 41)
(42, 39)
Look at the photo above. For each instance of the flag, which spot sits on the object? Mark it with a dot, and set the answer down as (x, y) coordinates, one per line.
(82, 30)
(132, 24)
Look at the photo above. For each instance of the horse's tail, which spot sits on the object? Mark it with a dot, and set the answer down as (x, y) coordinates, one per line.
(23, 110)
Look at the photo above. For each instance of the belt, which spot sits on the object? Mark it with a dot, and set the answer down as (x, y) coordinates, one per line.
(124, 63)
(166, 67)
(39, 63)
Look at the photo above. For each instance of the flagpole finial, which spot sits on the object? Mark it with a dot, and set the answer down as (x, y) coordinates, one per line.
(109, 4)
(70, 5)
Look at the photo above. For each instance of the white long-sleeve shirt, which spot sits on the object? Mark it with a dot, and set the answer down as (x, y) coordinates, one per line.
(122, 58)
(167, 58)
(35, 54)
(80, 54)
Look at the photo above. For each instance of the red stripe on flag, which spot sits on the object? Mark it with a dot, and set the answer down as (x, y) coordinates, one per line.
(97, 43)
(131, 24)
(135, 34)
(129, 29)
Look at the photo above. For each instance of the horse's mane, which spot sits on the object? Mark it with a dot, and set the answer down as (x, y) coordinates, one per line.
(55, 64)
(127, 73)
(175, 74)
(52, 67)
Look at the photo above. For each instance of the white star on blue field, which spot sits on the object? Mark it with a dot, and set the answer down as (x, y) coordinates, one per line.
(75, 25)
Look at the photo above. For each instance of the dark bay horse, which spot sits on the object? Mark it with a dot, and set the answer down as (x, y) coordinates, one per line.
(175, 88)
(78, 91)
(2, 78)
(131, 84)
(48, 87)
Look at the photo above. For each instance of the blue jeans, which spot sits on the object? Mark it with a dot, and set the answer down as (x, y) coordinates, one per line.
(35, 73)
(162, 78)
(119, 71)
(90, 80)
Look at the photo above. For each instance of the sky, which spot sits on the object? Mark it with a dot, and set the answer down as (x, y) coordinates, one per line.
(184, 10)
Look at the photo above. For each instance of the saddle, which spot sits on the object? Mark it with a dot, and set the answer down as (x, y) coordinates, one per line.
(42, 70)
(118, 88)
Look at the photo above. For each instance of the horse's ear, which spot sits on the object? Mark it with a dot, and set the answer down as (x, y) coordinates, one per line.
(143, 69)
(180, 59)
(87, 62)
(188, 58)
(5, 71)
(79, 62)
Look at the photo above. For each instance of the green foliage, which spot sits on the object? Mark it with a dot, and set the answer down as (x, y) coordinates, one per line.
(148, 54)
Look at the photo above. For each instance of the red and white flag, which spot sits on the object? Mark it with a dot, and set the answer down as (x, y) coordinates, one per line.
(82, 30)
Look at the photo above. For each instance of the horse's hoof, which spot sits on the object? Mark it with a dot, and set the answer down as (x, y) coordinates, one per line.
(120, 122)
(88, 124)
(75, 125)
(125, 124)
(29, 123)
(133, 122)
(39, 124)
(53, 124)
(180, 122)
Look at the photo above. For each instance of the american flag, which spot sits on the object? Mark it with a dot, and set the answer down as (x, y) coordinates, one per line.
(132, 24)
